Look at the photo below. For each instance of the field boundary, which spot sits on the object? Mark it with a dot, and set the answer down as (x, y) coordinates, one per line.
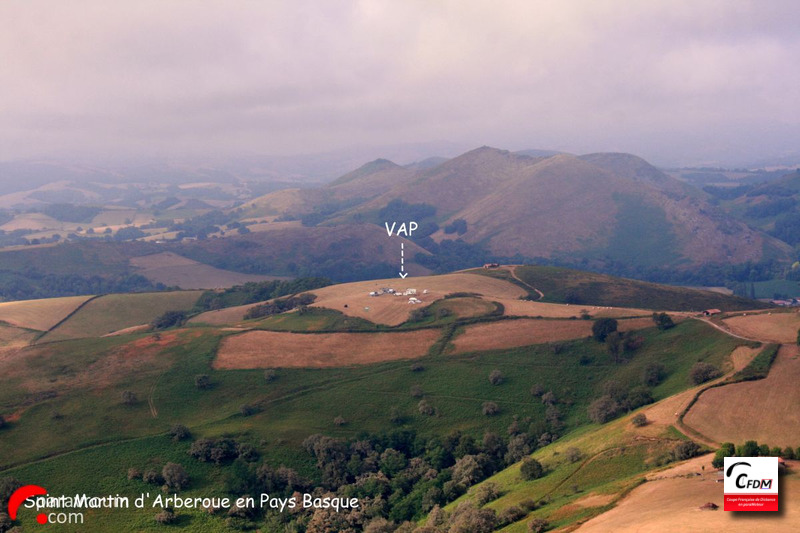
(69, 315)
(738, 377)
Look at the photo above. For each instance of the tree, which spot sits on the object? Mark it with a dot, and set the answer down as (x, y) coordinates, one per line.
(685, 450)
(639, 420)
(175, 476)
(496, 377)
(603, 409)
(169, 319)
(702, 372)
(602, 328)
(573, 454)
(653, 374)
(531, 469)
(179, 432)
(663, 321)
(425, 408)
(549, 398)
(726, 450)
(202, 381)
(129, 398)
(748, 449)
(538, 525)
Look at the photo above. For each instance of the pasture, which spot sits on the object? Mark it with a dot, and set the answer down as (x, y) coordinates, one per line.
(274, 349)
(114, 312)
(40, 315)
(778, 327)
(763, 410)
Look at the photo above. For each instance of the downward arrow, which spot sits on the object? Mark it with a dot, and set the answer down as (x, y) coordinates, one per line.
(403, 272)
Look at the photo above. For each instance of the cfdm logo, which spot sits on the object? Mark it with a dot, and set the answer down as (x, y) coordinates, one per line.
(751, 483)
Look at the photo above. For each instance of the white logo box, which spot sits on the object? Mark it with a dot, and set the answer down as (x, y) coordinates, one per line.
(751, 483)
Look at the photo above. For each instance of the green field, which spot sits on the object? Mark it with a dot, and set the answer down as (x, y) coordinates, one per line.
(114, 312)
(84, 439)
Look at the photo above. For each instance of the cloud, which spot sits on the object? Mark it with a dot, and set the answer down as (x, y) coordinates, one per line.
(673, 81)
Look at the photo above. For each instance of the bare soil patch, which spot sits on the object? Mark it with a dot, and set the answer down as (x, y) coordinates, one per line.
(353, 298)
(763, 410)
(671, 500)
(271, 349)
(514, 333)
(770, 327)
(549, 310)
(524, 332)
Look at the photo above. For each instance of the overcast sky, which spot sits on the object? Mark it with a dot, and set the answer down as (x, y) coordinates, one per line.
(675, 82)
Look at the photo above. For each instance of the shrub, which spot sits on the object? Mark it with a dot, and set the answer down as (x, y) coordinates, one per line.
(573, 454)
(653, 374)
(639, 420)
(179, 432)
(248, 409)
(538, 525)
(515, 513)
(202, 381)
(531, 469)
(549, 398)
(151, 476)
(175, 476)
(166, 517)
(129, 398)
(425, 408)
(496, 377)
(602, 328)
(663, 321)
(702, 372)
(395, 417)
(417, 367)
(2, 422)
(214, 450)
(416, 392)
(339, 421)
(134, 473)
(490, 408)
(270, 375)
(537, 390)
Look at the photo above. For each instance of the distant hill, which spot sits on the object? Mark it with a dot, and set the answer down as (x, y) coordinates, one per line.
(607, 208)
(564, 285)
(773, 207)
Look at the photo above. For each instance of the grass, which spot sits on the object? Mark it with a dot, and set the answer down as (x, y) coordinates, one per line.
(39, 314)
(113, 312)
(100, 438)
(563, 285)
(759, 366)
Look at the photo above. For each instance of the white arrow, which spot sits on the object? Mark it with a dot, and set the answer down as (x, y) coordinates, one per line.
(403, 273)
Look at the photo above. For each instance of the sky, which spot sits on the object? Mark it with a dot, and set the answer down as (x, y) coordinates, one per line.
(677, 82)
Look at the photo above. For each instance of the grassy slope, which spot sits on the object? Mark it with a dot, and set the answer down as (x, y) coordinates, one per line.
(298, 403)
(117, 311)
(573, 286)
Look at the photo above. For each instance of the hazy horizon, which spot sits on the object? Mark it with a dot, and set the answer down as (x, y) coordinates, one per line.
(677, 83)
